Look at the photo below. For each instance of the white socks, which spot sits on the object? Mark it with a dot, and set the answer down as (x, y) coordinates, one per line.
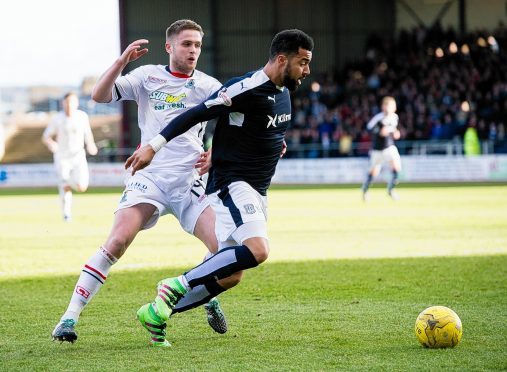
(66, 199)
(184, 282)
(92, 277)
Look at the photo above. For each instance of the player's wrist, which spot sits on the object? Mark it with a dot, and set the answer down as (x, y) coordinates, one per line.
(120, 64)
(157, 142)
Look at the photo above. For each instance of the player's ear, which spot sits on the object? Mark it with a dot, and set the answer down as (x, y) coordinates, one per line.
(282, 59)
(168, 48)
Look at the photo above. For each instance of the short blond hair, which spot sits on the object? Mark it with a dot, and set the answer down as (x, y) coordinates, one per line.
(388, 99)
(180, 25)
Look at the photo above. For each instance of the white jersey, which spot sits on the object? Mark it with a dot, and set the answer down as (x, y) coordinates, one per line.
(72, 133)
(161, 97)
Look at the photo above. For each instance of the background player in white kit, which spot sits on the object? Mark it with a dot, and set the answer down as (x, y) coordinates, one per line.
(65, 136)
(171, 183)
(384, 127)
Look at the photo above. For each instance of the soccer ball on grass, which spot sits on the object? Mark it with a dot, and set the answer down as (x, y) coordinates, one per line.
(438, 327)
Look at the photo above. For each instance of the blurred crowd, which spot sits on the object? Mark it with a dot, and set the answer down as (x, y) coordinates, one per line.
(443, 83)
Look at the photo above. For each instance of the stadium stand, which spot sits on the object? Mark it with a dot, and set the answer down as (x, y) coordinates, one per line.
(443, 83)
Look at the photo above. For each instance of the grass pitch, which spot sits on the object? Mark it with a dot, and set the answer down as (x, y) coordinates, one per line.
(341, 291)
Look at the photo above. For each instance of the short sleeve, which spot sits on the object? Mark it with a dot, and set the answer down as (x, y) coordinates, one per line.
(128, 87)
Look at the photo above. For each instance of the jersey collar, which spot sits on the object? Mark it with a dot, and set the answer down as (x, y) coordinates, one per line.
(179, 74)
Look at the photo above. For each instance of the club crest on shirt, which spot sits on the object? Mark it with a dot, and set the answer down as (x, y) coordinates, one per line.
(190, 84)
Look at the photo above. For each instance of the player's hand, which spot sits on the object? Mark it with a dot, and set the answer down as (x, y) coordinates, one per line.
(203, 163)
(53, 147)
(92, 149)
(284, 149)
(396, 134)
(140, 159)
(134, 51)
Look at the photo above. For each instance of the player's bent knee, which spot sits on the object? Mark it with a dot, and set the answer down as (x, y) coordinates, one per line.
(259, 248)
(262, 254)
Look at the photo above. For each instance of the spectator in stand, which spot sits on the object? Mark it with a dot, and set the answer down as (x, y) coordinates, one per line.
(441, 81)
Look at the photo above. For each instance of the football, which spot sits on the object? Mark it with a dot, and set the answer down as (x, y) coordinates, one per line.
(438, 327)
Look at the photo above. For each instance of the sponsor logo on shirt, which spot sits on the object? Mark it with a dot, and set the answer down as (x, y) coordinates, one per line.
(168, 101)
(277, 119)
(136, 186)
(157, 80)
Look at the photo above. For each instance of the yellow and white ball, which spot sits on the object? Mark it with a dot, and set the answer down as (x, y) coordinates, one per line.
(438, 327)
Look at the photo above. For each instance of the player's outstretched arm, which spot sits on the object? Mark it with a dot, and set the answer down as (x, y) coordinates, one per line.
(102, 90)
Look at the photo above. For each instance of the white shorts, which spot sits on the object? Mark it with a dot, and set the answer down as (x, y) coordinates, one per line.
(72, 171)
(379, 157)
(241, 213)
(184, 202)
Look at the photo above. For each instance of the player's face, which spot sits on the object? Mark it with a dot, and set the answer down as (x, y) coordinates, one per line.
(298, 67)
(70, 104)
(389, 107)
(184, 49)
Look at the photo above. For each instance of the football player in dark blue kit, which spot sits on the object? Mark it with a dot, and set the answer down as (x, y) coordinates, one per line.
(384, 128)
(253, 113)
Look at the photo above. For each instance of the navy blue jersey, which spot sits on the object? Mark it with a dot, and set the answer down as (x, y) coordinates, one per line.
(252, 117)
(376, 124)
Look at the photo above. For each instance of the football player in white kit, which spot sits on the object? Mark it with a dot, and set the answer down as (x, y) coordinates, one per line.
(384, 127)
(65, 136)
(171, 184)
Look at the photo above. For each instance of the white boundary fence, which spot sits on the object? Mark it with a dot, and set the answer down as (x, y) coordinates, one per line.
(485, 168)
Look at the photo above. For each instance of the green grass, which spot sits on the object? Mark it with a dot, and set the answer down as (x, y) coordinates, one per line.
(341, 291)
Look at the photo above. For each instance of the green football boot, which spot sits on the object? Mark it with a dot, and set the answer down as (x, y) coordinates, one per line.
(216, 317)
(170, 291)
(153, 324)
